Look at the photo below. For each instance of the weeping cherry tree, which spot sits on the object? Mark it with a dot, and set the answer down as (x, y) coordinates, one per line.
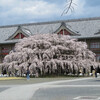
(46, 54)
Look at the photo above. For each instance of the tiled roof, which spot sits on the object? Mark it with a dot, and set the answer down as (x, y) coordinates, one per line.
(68, 28)
(87, 27)
(22, 30)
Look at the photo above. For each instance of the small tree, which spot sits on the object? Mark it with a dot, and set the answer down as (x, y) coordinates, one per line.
(49, 54)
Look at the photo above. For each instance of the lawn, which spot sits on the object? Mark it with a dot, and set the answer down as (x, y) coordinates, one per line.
(22, 81)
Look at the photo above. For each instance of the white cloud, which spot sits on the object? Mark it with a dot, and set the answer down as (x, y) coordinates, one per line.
(25, 11)
(81, 10)
(79, 7)
(29, 8)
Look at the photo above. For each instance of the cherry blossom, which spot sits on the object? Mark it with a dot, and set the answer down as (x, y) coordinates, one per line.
(49, 54)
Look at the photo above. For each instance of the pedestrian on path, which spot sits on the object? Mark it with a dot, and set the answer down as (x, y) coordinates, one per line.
(27, 73)
(95, 72)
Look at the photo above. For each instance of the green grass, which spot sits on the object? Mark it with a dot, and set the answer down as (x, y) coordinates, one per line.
(33, 80)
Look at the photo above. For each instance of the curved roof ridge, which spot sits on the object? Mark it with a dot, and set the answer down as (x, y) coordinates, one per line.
(52, 22)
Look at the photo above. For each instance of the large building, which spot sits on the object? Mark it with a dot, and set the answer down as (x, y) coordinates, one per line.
(87, 30)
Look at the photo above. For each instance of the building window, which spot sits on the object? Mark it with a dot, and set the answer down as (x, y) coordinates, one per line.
(5, 50)
(63, 32)
(95, 45)
(19, 36)
(98, 57)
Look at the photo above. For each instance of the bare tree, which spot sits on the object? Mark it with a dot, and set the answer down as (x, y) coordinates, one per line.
(68, 7)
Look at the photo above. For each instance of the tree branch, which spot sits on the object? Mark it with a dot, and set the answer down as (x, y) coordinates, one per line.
(68, 7)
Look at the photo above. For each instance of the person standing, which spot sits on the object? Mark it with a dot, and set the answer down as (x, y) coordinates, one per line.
(27, 74)
(95, 72)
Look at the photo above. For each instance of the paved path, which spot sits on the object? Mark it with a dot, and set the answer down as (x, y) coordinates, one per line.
(70, 90)
(57, 90)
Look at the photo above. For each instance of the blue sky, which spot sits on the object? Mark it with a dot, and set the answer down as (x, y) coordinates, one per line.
(29, 11)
